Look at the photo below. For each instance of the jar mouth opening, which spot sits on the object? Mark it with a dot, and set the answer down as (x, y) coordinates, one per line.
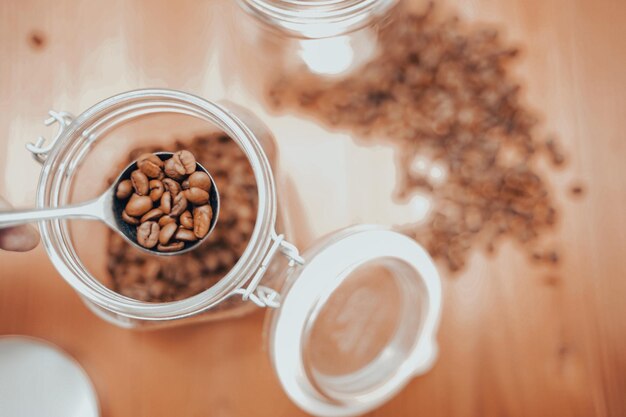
(59, 172)
(317, 18)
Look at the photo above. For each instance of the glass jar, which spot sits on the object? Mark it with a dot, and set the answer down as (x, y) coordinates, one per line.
(74, 171)
(351, 321)
(325, 38)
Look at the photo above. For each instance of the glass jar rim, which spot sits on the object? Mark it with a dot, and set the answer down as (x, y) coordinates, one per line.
(72, 145)
(317, 18)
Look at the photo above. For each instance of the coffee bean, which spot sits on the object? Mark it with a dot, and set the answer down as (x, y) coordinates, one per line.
(186, 220)
(124, 189)
(148, 234)
(226, 257)
(156, 190)
(187, 160)
(185, 235)
(129, 219)
(202, 220)
(174, 169)
(138, 205)
(577, 190)
(197, 196)
(167, 232)
(150, 164)
(211, 263)
(166, 203)
(157, 289)
(166, 220)
(153, 214)
(172, 186)
(151, 157)
(246, 227)
(178, 205)
(135, 291)
(172, 247)
(244, 212)
(201, 180)
(140, 181)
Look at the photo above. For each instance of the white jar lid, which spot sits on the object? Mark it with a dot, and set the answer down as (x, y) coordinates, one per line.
(357, 321)
(38, 379)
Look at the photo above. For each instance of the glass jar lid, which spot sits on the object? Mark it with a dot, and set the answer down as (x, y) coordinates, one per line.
(38, 379)
(357, 321)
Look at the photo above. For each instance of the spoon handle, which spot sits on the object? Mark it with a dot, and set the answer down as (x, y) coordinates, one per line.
(89, 210)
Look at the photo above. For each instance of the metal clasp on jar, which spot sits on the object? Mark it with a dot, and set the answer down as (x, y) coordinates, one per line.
(39, 151)
(261, 295)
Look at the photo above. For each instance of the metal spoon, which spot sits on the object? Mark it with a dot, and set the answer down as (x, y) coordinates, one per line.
(108, 209)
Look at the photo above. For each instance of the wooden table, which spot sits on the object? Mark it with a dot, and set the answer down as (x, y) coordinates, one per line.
(515, 340)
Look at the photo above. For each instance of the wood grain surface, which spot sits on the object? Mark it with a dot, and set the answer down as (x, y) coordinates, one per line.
(516, 340)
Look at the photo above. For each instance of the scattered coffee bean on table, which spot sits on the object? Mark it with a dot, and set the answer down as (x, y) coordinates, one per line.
(162, 188)
(577, 190)
(440, 92)
(154, 278)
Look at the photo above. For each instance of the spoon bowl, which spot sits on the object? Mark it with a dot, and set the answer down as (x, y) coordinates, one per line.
(129, 232)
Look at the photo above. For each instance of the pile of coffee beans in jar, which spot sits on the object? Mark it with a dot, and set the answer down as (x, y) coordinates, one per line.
(153, 278)
(167, 199)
